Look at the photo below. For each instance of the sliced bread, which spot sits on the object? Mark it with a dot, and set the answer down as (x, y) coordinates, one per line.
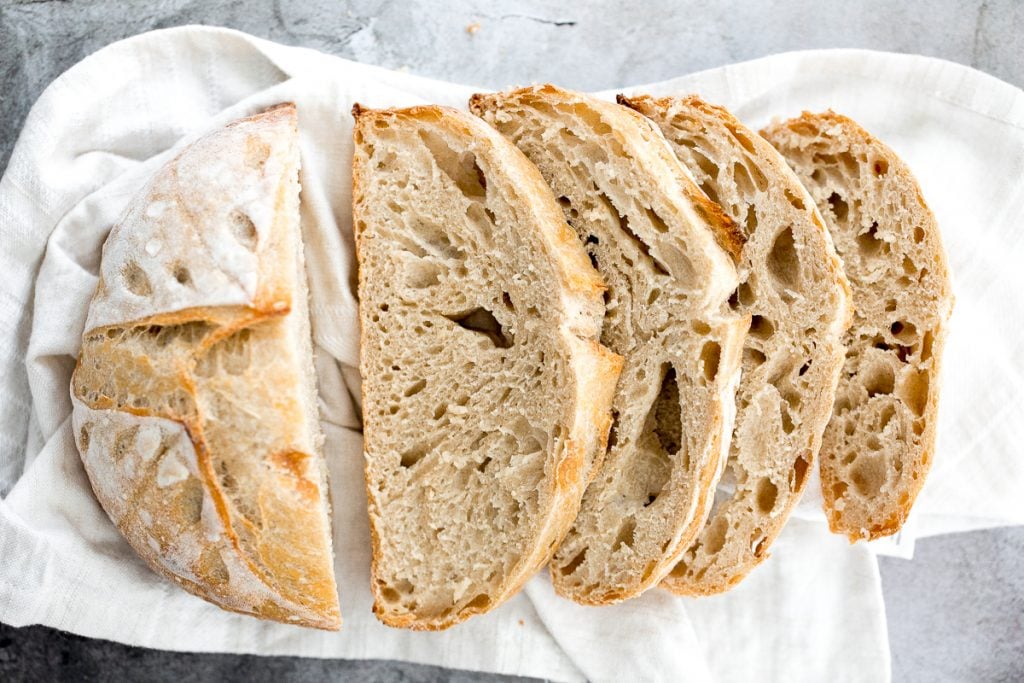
(667, 255)
(486, 395)
(880, 441)
(792, 285)
(195, 406)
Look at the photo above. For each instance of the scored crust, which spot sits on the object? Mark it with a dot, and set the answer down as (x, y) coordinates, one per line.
(665, 251)
(485, 392)
(880, 442)
(194, 397)
(792, 285)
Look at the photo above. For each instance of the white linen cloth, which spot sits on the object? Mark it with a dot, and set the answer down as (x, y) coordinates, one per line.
(812, 612)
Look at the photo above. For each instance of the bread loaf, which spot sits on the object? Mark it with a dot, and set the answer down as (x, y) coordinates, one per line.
(880, 442)
(195, 406)
(667, 254)
(486, 394)
(792, 285)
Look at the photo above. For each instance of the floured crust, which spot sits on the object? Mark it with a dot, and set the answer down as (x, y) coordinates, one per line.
(194, 395)
(145, 495)
(229, 182)
(573, 304)
(879, 444)
(792, 284)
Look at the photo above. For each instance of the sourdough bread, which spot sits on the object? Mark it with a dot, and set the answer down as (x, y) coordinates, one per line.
(667, 255)
(792, 285)
(880, 442)
(195, 406)
(486, 394)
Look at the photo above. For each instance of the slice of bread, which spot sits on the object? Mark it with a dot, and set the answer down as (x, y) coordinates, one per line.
(880, 441)
(195, 406)
(486, 395)
(792, 285)
(658, 242)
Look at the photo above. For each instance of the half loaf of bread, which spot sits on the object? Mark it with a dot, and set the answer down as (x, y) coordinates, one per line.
(879, 444)
(486, 394)
(792, 285)
(195, 406)
(667, 254)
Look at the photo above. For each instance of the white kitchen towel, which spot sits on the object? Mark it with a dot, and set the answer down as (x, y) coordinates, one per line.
(813, 611)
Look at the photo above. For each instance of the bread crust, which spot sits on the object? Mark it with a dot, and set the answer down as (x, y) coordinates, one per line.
(161, 371)
(860, 501)
(595, 368)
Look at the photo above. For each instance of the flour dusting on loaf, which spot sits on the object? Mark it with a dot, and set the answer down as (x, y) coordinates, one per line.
(194, 397)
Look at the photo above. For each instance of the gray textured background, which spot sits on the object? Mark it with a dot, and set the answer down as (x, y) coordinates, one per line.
(956, 612)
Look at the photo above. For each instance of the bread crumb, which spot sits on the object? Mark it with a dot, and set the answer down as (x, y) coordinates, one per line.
(471, 29)
(520, 622)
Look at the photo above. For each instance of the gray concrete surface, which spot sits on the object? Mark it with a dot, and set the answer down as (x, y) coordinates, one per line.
(587, 45)
(956, 612)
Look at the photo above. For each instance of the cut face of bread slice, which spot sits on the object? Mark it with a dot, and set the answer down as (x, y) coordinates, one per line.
(792, 286)
(195, 406)
(658, 243)
(486, 395)
(881, 439)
